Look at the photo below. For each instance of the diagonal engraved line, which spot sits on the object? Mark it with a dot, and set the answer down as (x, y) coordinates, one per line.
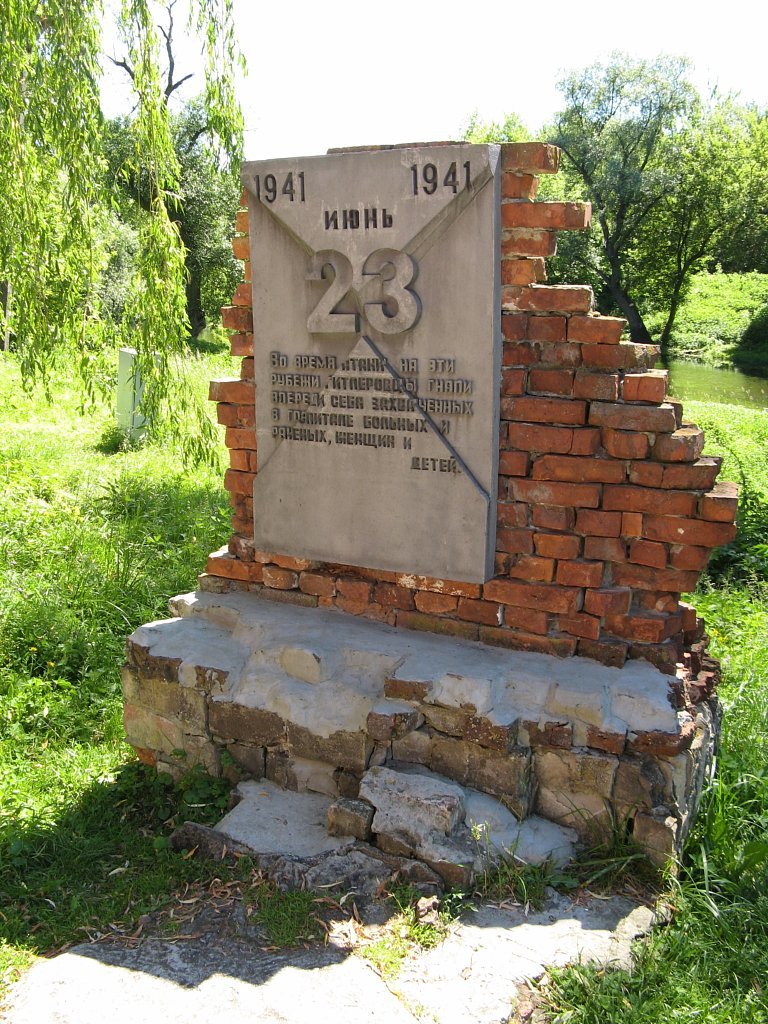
(434, 229)
(400, 381)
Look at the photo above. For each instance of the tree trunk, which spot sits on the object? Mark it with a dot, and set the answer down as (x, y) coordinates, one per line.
(195, 312)
(673, 307)
(5, 300)
(638, 332)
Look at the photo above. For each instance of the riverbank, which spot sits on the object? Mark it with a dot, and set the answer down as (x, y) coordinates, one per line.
(722, 322)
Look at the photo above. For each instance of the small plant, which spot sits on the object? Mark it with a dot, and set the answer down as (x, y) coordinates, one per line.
(287, 916)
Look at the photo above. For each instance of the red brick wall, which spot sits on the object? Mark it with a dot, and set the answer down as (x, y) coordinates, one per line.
(606, 510)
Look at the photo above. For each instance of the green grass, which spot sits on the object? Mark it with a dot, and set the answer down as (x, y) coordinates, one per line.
(92, 544)
(723, 321)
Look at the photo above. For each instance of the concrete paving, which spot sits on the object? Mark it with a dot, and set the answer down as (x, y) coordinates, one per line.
(471, 978)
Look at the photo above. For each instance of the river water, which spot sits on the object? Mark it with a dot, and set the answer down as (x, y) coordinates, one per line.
(692, 381)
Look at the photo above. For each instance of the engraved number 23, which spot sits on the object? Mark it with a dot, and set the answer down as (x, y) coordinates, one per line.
(395, 269)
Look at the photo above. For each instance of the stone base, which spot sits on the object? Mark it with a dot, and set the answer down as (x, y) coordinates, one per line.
(316, 701)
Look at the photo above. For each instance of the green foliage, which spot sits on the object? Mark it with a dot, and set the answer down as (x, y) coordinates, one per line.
(511, 129)
(53, 194)
(288, 916)
(723, 321)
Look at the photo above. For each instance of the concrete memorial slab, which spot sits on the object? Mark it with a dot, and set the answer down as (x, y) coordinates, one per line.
(376, 305)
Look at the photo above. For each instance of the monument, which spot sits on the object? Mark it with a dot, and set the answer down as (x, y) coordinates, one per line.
(464, 511)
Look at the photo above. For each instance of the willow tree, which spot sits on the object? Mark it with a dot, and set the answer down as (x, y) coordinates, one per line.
(53, 189)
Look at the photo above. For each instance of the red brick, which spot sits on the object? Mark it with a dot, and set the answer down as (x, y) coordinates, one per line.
(580, 574)
(642, 577)
(514, 541)
(542, 492)
(536, 437)
(553, 517)
(514, 326)
(646, 628)
(576, 469)
(522, 270)
(527, 619)
(434, 624)
(553, 216)
(236, 415)
(625, 498)
(241, 344)
(695, 532)
(243, 295)
(528, 242)
(632, 417)
(501, 562)
(598, 524)
(246, 369)
(242, 459)
(511, 514)
(536, 157)
(546, 298)
(515, 185)
(648, 552)
(236, 318)
(560, 647)
(631, 524)
(656, 601)
(646, 474)
(514, 463)
(546, 328)
(317, 584)
(682, 556)
(580, 625)
(699, 476)
(596, 329)
(436, 604)
(557, 353)
(354, 590)
(619, 357)
(238, 483)
(532, 567)
(538, 596)
(222, 563)
(392, 596)
(650, 386)
(242, 524)
(485, 612)
(240, 438)
(625, 444)
(231, 389)
(608, 652)
(247, 270)
(600, 386)
(586, 441)
(544, 410)
(610, 742)
(280, 579)
(436, 586)
(241, 222)
(555, 382)
(364, 608)
(512, 382)
(611, 549)
(289, 562)
(608, 601)
(549, 734)
(557, 545)
(521, 353)
(721, 504)
(241, 248)
(683, 445)
(664, 655)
